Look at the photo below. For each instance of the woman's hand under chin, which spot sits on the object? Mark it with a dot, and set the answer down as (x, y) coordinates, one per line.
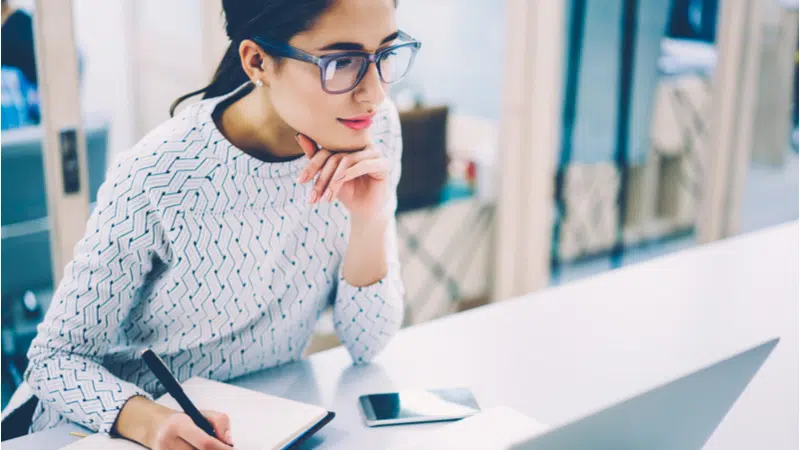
(358, 179)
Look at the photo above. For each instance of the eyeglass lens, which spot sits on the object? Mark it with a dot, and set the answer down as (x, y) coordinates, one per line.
(342, 74)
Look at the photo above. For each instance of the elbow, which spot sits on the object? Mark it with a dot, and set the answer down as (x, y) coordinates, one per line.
(368, 327)
(362, 357)
(37, 365)
(35, 374)
(365, 348)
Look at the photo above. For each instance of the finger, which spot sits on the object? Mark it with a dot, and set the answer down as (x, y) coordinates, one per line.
(178, 444)
(222, 425)
(354, 158)
(341, 170)
(316, 164)
(317, 158)
(199, 439)
(350, 161)
(320, 189)
(375, 168)
(309, 147)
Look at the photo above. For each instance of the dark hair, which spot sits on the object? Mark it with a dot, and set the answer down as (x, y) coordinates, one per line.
(274, 20)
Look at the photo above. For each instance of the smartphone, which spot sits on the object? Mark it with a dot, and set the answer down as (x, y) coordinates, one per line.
(418, 406)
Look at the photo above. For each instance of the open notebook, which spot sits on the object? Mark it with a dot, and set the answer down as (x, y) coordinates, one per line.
(258, 421)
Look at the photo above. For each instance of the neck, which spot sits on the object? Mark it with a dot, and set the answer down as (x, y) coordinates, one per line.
(252, 125)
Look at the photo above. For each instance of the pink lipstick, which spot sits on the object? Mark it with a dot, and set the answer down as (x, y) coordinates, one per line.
(358, 123)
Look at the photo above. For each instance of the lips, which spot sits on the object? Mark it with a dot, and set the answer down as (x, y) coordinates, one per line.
(361, 122)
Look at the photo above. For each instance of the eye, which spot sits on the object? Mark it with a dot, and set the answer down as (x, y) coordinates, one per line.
(387, 55)
(344, 63)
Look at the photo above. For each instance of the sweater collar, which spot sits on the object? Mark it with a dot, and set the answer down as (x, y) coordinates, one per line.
(221, 148)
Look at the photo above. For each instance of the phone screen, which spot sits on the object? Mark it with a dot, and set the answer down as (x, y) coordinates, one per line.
(439, 404)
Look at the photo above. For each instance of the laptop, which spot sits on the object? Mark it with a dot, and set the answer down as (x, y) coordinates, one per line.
(681, 414)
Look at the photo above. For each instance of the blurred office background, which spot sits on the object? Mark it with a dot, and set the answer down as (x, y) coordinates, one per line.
(517, 176)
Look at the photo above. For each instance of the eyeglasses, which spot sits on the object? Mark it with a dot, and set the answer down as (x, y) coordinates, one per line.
(342, 72)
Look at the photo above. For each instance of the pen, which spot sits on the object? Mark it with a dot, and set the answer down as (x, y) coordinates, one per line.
(174, 389)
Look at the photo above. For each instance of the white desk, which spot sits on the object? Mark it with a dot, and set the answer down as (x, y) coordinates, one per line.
(556, 354)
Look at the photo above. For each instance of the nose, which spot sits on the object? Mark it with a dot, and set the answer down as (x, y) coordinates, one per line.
(370, 90)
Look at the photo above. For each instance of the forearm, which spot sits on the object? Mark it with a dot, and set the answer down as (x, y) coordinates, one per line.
(65, 367)
(77, 387)
(88, 309)
(367, 314)
(365, 261)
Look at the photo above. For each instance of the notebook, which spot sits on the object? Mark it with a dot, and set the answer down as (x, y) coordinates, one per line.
(491, 429)
(258, 421)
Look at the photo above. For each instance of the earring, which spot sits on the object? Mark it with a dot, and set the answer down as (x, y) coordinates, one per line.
(259, 83)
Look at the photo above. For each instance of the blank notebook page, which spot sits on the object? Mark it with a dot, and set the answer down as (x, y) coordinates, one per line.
(258, 421)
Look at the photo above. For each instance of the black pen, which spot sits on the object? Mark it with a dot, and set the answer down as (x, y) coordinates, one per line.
(176, 391)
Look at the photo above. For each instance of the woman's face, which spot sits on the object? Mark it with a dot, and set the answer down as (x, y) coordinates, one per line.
(295, 89)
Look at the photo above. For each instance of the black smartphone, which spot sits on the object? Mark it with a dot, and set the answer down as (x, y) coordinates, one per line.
(418, 406)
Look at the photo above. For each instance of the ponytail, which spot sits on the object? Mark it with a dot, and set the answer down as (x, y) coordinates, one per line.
(228, 76)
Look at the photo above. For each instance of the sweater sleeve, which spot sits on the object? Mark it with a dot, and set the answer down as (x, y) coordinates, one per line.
(98, 290)
(365, 318)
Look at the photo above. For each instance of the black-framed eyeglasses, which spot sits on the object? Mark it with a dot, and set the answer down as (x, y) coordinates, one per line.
(342, 72)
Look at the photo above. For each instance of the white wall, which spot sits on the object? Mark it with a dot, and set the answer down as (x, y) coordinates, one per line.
(136, 57)
(139, 55)
(462, 55)
(103, 40)
(104, 57)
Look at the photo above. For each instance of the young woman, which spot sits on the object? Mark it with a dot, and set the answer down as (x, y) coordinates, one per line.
(216, 243)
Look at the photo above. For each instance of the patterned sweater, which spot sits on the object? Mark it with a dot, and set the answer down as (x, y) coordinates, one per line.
(212, 258)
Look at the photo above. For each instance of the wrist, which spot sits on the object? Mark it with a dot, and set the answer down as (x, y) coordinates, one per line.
(365, 260)
(139, 420)
(372, 225)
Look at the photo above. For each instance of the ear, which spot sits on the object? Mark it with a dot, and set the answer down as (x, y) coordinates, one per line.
(256, 64)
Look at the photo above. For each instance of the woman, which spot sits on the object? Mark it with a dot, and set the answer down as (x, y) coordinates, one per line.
(20, 92)
(16, 42)
(217, 244)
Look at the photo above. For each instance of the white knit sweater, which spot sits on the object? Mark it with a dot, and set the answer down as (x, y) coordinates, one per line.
(212, 258)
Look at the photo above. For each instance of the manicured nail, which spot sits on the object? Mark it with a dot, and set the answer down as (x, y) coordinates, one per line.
(340, 176)
(313, 197)
(329, 195)
(303, 177)
(228, 437)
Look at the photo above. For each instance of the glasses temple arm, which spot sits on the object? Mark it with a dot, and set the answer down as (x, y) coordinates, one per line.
(286, 51)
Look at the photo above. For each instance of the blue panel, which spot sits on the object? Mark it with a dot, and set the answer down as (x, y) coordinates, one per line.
(26, 260)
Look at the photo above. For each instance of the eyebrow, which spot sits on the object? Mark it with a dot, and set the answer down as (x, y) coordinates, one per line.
(357, 46)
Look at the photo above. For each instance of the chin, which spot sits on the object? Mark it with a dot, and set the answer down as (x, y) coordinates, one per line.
(351, 143)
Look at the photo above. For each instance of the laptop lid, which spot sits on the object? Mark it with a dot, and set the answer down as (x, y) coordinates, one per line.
(681, 414)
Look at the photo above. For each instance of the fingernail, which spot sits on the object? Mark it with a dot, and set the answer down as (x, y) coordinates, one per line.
(302, 178)
(340, 176)
(329, 195)
(228, 437)
(313, 197)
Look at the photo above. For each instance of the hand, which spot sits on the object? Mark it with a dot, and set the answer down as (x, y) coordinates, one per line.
(358, 179)
(160, 428)
(179, 432)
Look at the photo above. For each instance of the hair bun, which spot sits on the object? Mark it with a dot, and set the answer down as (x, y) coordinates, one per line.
(237, 14)
(276, 20)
